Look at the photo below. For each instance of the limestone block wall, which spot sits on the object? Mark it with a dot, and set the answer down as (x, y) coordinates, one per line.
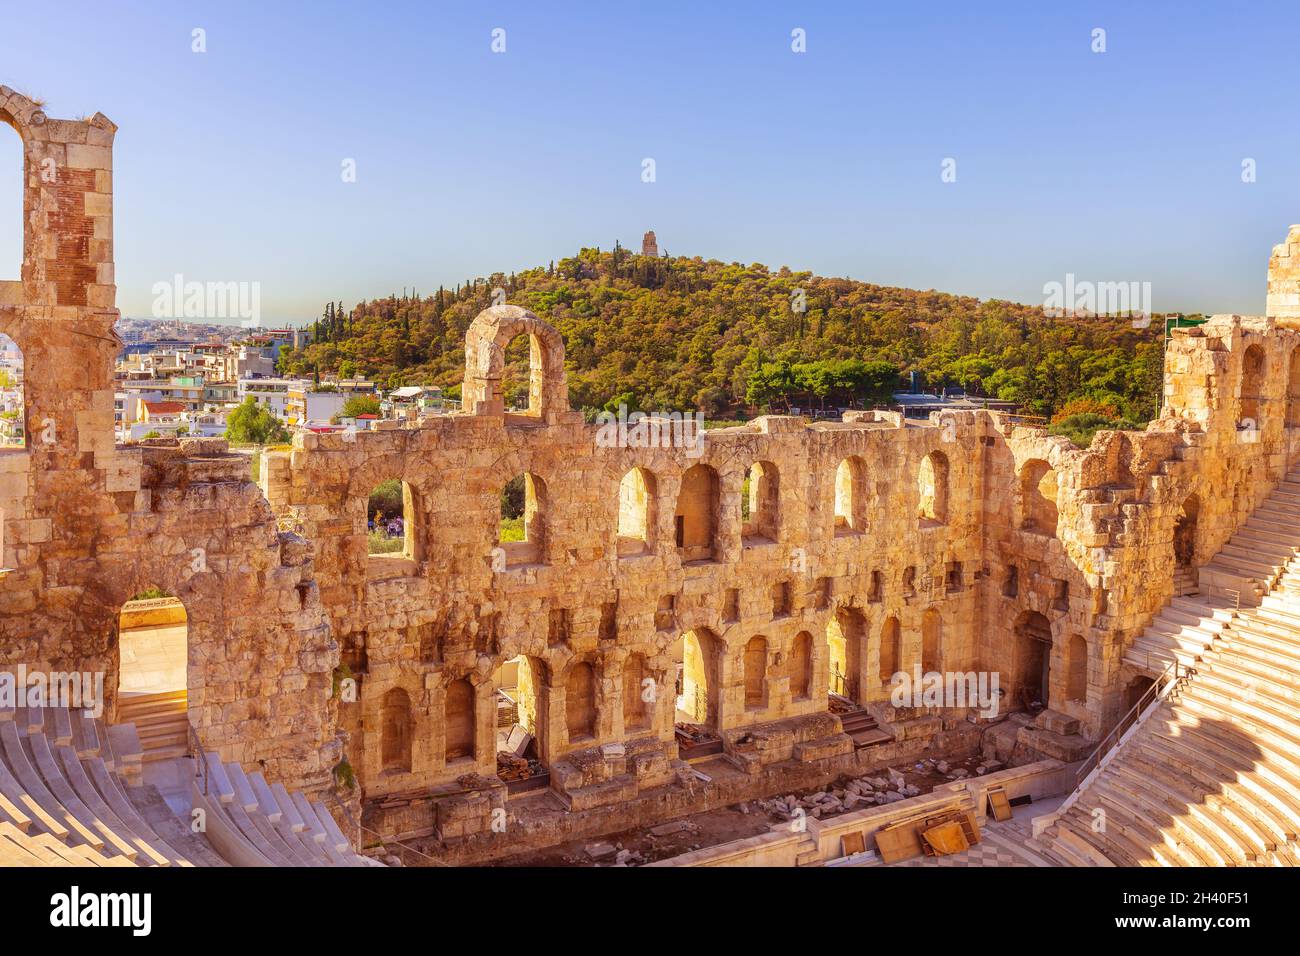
(459, 613)
(1038, 540)
(1284, 280)
(1121, 500)
(86, 526)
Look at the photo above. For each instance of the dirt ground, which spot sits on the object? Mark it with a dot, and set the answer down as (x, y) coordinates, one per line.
(710, 828)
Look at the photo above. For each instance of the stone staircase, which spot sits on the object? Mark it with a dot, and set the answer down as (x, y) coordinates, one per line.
(1210, 775)
(253, 823)
(70, 795)
(1241, 574)
(1256, 556)
(161, 722)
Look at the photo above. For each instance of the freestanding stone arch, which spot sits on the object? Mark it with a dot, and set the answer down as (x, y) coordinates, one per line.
(485, 347)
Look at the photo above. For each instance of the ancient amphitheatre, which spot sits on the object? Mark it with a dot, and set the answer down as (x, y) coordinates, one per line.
(1139, 601)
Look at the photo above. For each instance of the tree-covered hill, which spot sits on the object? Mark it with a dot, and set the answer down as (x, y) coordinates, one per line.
(688, 333)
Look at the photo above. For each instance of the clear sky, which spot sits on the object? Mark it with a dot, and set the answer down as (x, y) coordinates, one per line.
(1116, 166)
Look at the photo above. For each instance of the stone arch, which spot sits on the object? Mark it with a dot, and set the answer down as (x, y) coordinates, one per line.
(762, 522)
(395, 731)
(390, 495)
(700, 698)
(931, 641)
(153, 657)
(580, 701)
(459, 719)
(1033, 658)
(1077, 682)
(637, 512)
(485, 344)
(532, 698)
(696, 518)
(26, 118)
(525, 500)
(13, 182)
(1250, 394)
(932, 485)
(801, 667)
(846, 634)
(1038, 497)
(851, 496)
(891, 650)
(755, 672)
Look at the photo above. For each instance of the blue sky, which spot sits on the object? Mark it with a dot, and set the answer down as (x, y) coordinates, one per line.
(1115, 166)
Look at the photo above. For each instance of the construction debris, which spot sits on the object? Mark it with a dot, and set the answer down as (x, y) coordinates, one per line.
(510, 767)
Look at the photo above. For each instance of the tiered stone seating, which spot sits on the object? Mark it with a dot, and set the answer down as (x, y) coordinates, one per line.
(66, 800)
(1258, 554)
(253, 823)
(1183, 630)
(63, 803)
(1211, 776)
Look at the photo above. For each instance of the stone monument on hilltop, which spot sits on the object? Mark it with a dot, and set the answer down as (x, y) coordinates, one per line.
(649, 245)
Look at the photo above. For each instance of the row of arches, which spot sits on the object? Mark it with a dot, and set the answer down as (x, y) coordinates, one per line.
(699, 689)
(393, 511)
(459, 718)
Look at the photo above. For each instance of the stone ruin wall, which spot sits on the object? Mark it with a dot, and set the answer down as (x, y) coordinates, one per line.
(1101, 573)
(285, 590)
(88, 525)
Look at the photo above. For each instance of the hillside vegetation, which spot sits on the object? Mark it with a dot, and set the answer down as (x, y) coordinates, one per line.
(688, 333)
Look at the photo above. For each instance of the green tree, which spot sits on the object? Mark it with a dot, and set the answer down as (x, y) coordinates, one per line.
(358, 405)
(253, 424)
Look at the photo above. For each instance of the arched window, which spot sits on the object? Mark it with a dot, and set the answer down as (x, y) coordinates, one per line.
(11, 202)
(153, 670)
(760, 504)
(396, 731)
(1034, 658)
(697, 515)
(933, 487)
(801, 666)
(1038, 497)
(636, 513)
(845, 635)
(580, 702)
(13, 417)
(458, 718)
(521, 534)
(521, 377)
(1077, 688)
(637, 711)
(931, 641)
(1252, 388)
(391, 520)
(756, 673)
(891, 650)
(851, 496)
(698, 700)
